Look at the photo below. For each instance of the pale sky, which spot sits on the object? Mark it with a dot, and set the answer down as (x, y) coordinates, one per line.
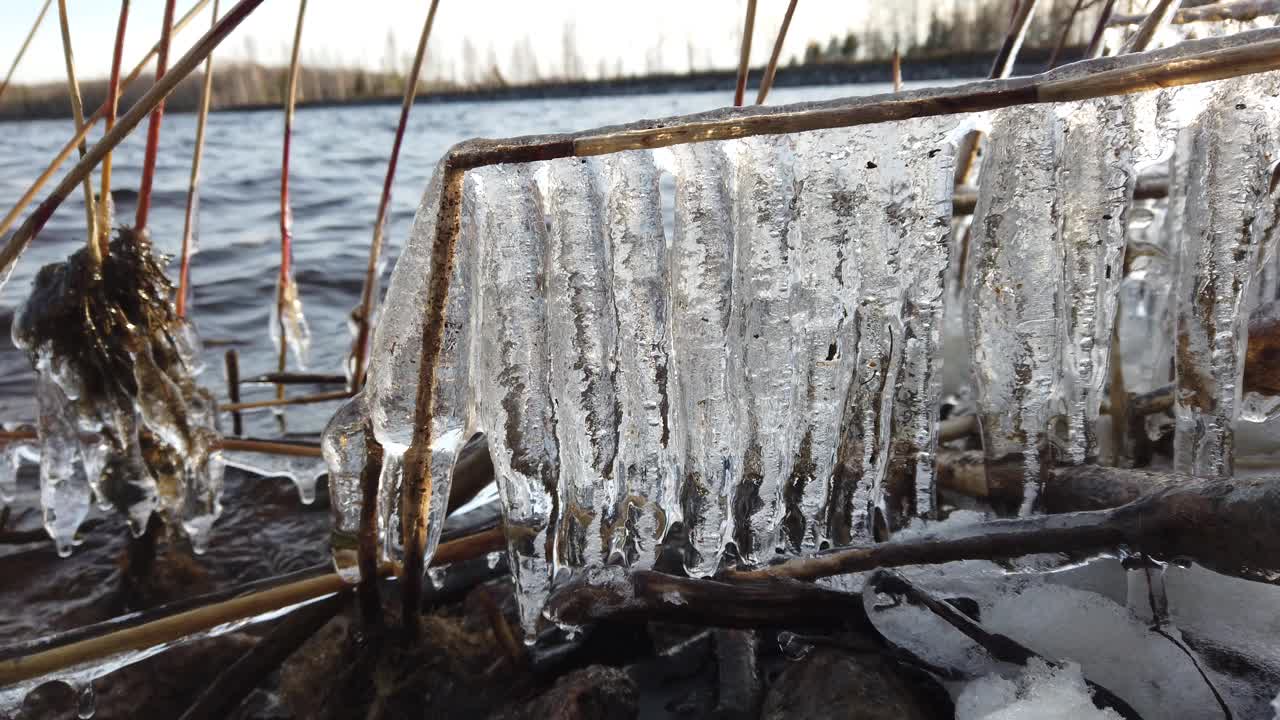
(356, 32)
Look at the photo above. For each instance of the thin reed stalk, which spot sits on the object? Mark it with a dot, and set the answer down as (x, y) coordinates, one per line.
(12, 216)
(1156, 20)
(286, 212)
(77, 114)
(744, 60)
(1066, 33)
(190, 217)
(1099, 31)
(153, 128)
(22, 49)
(112, 104)
(35, 222)
(367, 294)
(766, 83)
(896, 70)
(280, 402)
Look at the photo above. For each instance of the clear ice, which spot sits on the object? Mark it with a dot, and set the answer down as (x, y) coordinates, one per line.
(304, 471)
(287, 316)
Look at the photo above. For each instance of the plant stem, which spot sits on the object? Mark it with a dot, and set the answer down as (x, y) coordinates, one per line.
(153, 128)
(111, 105)
(367, 294)
(77, 113)
(744, 60)
(286, 212)
(22, 50)
(193, 188)
(766, 83)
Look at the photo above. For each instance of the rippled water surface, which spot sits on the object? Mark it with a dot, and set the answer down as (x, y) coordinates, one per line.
(338, 163)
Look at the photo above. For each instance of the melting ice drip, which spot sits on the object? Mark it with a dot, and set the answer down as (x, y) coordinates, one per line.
(767, 375)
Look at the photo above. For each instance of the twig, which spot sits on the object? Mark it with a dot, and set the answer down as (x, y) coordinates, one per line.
(65, 152)
(111, 104)
(766, 83)
(367, 549)
(153, 129)
(286, 212)
(367, 294)
(193, 187)
(744, 59)
(295, 378)
(283, 401)
(1066, 33)
(1000, 647)
(232, 358)
(1099, 31)
(77, 113)
(22, 49)
(233, 685)
(270, 447)
(895, 70)
(1156, 21)
(1241, 11)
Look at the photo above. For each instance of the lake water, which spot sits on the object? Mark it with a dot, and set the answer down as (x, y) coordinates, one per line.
(339, 160)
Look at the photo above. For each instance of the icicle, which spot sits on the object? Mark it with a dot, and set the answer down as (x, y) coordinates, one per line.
(582, 340)
(296, 331)
(763, 207)
(823, 283)
(1226, 174)
(94, 451)
(1014, 277)
(919, 181)
(304, 471)
(344, 445)
(701, 298)
(11, 461)
(637, 246)
(64, 489)
(1096, 181)
(514, 394)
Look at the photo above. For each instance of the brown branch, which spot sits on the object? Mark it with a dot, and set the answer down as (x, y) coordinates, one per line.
(744, 58)
(77, 114)
(896, 70)
(232, 359)
(1099, 31)
(111, 105)
(153, 128)
(771, 70)
(295, 378)
(286, 212)
(283, 401)
(1066, 33)
(1155, 21)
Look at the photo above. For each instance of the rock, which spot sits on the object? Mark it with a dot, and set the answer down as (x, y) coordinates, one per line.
(829, 683)
(592, 693)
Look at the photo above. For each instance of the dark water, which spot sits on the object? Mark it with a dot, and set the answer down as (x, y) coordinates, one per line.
(339, 159)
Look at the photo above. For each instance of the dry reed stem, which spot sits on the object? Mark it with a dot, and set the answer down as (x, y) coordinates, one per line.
(895, 70)
(12, 216)
(94, 647)
(766, 83)
(282, 402)
(286, 211)
(77, 114)
(111, 104)
(22, 49)
(744, 59)
(1099, 31)
(1156, 20)
(1241, 10)
(1066, 33)
(153, 127)
(193, 187)
(18, 242)
(384, 203)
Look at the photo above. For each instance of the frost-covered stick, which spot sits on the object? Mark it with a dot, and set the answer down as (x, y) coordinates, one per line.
(1066, 33)
(1099, 31)
(77, 114)
(1000, 647)
(16, 211)
(153, 129)
(1156, 20)
(190, 217)
(417, 486)
(766, 82)
(744, 60)
(112, 105)
(286, 212)
(368, 293)
(22, 50)
(35, 222)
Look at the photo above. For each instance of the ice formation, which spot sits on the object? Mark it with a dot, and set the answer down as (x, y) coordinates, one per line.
(288, 321)
(1040, 692)
(765, 373)
(304, 471)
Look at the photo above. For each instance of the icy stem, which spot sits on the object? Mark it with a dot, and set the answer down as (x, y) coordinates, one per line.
(344, 445)
(287, 315)
(1226, 179)
(1014, 278)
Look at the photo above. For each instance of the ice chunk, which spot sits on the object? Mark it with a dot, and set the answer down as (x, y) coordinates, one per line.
(304, 471)
(15, 451)
(1096, 180)
(515, 405)
(1226, 179)
(1014, 278)
(287, 316)
(344, 445)
(760, 328)
(638, 257)
(1040, 692)
(701, 299)
(582, 341)
(65, 493)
